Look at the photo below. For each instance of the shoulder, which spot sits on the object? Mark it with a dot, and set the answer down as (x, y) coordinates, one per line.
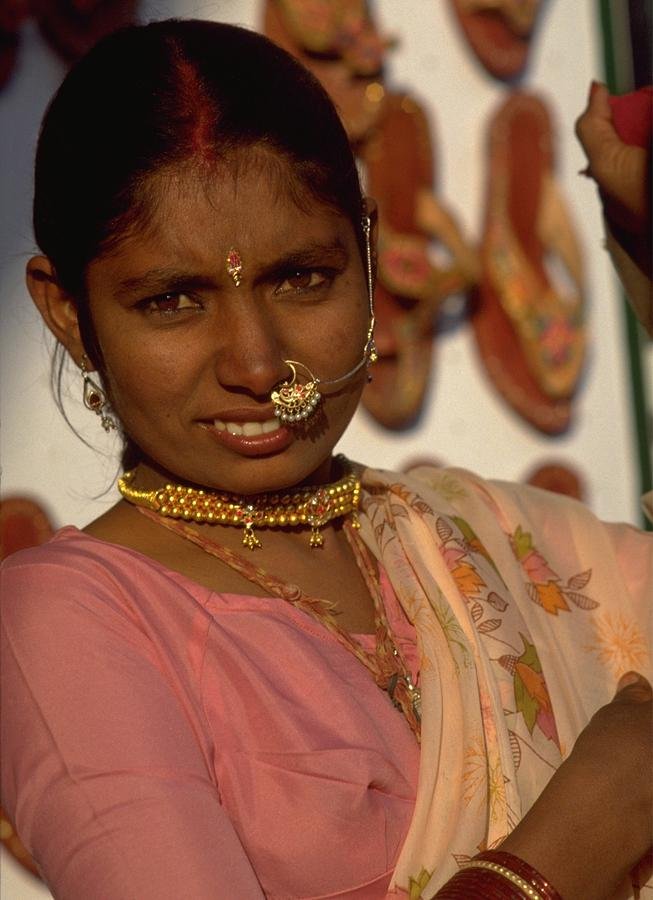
(70, 576)
(506, 508)
(72, 552)
(458, 486)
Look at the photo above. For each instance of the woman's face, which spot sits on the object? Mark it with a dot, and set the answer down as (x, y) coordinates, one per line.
(191, 358)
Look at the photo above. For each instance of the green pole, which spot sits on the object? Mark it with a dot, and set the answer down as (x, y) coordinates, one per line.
(618, 76)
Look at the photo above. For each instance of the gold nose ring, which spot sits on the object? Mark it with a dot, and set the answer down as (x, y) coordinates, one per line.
(293, 401)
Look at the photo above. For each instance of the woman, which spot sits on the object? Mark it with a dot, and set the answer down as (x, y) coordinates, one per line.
(268, 671)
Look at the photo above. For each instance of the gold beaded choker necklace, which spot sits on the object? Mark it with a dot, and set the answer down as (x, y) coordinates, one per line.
(305, 506)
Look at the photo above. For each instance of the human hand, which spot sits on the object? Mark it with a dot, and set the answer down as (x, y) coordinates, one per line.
(620, 169)
(593, 823)
(617, 749)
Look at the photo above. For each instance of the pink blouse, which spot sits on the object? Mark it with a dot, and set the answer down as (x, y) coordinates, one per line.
(163, 741)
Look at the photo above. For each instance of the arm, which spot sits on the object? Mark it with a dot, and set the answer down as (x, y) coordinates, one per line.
(592, 825)
(102, 773)
(593, 822)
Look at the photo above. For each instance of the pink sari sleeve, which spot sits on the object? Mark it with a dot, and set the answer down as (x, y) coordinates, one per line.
(103, 775)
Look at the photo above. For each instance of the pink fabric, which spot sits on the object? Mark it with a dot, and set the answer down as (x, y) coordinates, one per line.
(164, 741)
(148, 719)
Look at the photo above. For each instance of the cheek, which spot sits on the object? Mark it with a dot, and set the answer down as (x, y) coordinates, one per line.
(340, 341)
(141, 380)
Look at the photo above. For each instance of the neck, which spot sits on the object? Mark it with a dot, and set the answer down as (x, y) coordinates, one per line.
(302, 506)
(148, 475)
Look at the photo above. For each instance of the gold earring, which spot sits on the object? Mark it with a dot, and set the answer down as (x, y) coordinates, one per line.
(234, 266)
(295, 402)
(94, 397)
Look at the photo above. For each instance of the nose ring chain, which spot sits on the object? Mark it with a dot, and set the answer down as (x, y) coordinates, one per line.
(295, 401)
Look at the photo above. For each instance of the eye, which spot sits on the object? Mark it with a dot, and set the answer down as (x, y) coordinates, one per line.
(301, 280)
(170, 304)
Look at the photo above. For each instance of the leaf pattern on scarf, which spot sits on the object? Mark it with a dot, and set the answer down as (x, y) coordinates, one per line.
(544, 586)
(472, 542)
(532, 698)
(515, 748)
(461, 549)
(470, 590)
(417, 885)
(453, 632)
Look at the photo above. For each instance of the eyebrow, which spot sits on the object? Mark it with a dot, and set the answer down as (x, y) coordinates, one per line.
(164, 280)
(167, 279)
(316, 254)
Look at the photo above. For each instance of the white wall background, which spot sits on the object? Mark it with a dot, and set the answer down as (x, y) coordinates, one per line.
(465, 423)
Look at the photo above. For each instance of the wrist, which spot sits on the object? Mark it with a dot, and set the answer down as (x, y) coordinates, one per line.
(497, 875)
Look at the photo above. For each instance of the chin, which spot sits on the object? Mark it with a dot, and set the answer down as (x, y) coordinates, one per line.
(260, 474)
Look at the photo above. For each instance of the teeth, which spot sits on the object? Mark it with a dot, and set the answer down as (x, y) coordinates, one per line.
(252, 428)
(249, 429)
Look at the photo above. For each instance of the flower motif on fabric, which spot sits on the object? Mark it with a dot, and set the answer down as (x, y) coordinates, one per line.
(483, 779)
(475, 770)
(532, 698)
(446, 485)
(545, 587)
(618, 643)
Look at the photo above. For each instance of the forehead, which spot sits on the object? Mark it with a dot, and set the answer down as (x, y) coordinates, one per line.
(254, 202)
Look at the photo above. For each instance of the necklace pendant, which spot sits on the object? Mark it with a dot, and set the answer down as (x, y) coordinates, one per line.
(250, 539)
(316, 539)
(318, 515)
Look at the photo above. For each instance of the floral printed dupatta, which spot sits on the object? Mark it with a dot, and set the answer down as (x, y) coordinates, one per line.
(527, 610)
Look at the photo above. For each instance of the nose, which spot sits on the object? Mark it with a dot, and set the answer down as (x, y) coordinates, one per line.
(249, 357)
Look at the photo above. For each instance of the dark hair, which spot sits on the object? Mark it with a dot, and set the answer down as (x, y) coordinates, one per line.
(176, 91)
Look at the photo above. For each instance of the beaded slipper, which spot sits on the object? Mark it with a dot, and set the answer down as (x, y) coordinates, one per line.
(499, 32)
(339, 43)
(528, 307)
(397, 159)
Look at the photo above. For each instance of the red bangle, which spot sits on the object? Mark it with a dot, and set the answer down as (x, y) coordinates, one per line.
(478, 884)
(497, 875)
(523, 870)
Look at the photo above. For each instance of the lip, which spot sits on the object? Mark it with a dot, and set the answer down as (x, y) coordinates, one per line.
(252, 444)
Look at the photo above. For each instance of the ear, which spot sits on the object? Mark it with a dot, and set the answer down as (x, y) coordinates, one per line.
(57, 308)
